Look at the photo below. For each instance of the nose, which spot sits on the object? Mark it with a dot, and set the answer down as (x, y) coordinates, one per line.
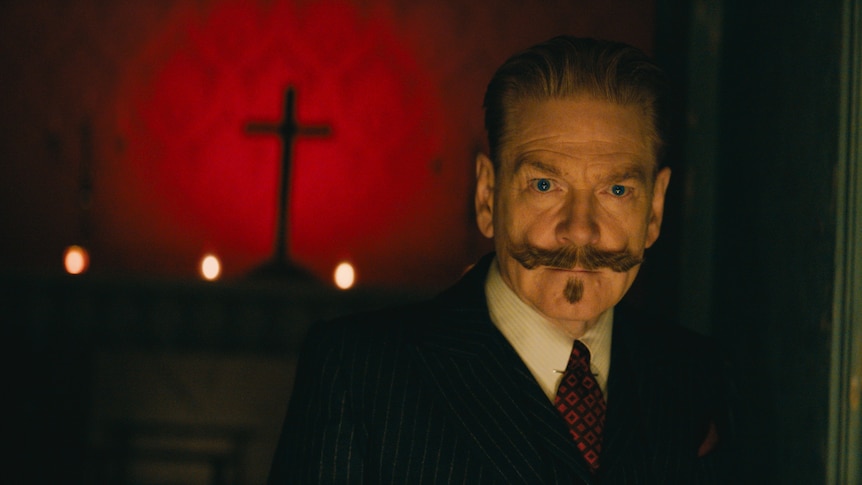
(578, 219)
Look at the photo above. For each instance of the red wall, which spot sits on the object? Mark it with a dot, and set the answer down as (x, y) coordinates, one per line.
(145, 103)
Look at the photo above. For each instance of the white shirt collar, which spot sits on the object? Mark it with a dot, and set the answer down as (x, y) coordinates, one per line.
(543, 346)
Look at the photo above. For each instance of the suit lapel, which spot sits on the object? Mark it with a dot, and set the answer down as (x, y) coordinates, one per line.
(490, 391)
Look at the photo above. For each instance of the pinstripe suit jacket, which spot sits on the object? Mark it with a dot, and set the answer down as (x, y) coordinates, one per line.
(433, 393)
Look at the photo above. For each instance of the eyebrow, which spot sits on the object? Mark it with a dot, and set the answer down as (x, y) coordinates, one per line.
(628, 172)
(632, 172)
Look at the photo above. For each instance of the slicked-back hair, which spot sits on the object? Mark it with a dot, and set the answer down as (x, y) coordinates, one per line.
(568, 67)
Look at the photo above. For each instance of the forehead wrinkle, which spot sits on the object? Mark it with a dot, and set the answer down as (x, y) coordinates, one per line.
(526, 160)
(597, 147)
(554, 132)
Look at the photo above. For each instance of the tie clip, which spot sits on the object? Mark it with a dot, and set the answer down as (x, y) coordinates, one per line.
(557, 371)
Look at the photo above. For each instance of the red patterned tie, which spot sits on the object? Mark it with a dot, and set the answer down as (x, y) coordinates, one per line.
(579, 400)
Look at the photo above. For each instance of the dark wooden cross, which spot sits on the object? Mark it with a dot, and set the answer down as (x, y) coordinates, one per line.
(288, 130)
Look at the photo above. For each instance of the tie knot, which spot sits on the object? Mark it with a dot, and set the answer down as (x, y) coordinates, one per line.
(580, 352)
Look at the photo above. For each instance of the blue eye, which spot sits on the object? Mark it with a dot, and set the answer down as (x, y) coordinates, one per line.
(619, 190)
(542, 185)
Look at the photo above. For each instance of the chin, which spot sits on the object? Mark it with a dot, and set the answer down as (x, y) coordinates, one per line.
(544, 290)
(558, 308)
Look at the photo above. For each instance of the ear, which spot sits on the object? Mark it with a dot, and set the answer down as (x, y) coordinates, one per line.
(662, 180)
(485, 195)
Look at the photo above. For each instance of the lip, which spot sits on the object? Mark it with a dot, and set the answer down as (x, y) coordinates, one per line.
(574, 270)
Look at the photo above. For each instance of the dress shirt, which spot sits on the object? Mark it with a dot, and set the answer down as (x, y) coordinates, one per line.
(543, 346)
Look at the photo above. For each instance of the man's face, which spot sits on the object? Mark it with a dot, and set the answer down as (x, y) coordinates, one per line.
(574, 204)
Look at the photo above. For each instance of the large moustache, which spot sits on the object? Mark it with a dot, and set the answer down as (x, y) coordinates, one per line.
(570, 257)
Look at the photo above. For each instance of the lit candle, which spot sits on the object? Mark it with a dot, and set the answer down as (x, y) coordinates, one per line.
(76, 260)
(210, 267)
(344, 276)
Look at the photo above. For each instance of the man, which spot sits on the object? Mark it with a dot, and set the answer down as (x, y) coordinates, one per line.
(527, 370)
